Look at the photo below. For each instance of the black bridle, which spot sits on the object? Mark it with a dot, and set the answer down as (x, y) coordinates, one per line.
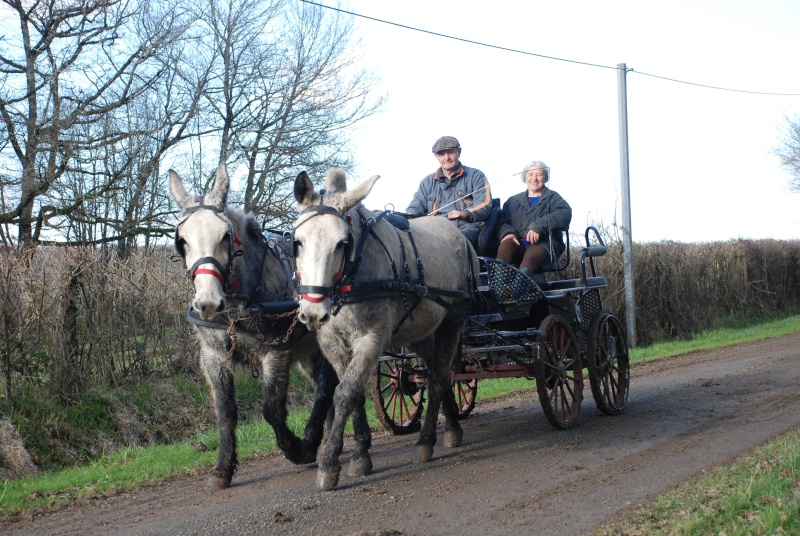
(325, 292)
(222, 272)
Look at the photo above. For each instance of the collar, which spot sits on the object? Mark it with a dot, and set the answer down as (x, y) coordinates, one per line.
(525, 195)
(440, 176)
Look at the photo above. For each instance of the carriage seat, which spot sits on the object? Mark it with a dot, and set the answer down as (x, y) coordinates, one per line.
(556, 264)
(488, 242)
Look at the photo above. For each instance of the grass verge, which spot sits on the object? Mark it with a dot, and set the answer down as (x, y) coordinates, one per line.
(757, 494)
(775, 502)
(719, 338)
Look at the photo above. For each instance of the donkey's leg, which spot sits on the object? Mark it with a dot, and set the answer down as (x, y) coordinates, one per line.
(276, 367)
(325, 381)
(423, 450)
(364, 351)
(219, 377)
(453, 433)
(440, 364)
(329, 467)
(360, 461)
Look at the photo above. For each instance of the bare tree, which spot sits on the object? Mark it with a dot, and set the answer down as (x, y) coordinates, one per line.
(287, 90)
(95, 94)
(165, 118)
(70, 68)
(788, 151)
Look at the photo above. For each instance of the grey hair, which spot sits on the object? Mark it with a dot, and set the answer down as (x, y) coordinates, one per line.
(537, 163)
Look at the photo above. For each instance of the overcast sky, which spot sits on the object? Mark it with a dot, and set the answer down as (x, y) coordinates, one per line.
(701, 166)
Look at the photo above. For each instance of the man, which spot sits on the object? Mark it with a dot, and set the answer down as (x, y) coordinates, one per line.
(454, 190)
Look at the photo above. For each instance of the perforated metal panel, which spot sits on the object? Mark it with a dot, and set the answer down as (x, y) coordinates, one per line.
(510, 286)
(591, 304)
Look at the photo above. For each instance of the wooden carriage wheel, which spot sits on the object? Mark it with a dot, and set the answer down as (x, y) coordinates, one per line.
(465, 392)
(608, 364)
(398, 391)
(559, 372)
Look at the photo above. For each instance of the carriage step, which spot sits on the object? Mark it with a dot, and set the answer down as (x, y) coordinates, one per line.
(559, 287)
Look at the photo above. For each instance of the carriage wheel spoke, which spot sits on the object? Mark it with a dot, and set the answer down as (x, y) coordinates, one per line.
(396, 396)
(607, 361)
(559, 374)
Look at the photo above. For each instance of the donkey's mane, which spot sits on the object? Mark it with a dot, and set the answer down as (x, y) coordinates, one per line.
(263, 275)
(247, 223)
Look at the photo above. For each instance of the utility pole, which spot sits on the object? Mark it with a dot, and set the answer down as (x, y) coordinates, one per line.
(627, 240)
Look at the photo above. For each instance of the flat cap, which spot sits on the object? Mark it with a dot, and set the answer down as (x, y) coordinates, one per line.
(444, 143)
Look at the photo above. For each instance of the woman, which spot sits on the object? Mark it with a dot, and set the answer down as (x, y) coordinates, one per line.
(529, 218)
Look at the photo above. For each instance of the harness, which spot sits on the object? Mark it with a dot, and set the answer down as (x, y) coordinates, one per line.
(272, 320)
(346, 287)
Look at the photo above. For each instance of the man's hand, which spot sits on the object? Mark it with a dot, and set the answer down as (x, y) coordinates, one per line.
(462, 215)
(532, 236)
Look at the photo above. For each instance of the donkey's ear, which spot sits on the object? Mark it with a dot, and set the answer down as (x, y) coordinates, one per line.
(177, 189)
(336, 181)
(304, 190)
(219, 193)
(352, 197)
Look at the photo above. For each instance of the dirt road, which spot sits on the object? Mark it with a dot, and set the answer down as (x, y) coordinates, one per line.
(514, 474)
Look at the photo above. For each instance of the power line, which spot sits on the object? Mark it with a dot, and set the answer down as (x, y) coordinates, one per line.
(463, 40)
(526, 53)
(719, 88)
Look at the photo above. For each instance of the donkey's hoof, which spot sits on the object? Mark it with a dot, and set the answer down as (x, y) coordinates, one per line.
(327, 480)
(360, 466)
(423, 453)
(296, 452)
(453, 438)
(219, 482)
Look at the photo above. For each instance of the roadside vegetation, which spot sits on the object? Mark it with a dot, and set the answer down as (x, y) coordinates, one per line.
(99, 381)
(758, 494)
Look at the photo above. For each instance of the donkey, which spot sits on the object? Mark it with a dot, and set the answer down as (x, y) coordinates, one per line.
(366, 285)
(243, 312)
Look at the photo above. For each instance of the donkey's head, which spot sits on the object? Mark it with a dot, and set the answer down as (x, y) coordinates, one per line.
(323, 241)
(207, 242)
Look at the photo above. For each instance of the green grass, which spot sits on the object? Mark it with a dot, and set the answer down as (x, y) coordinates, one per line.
(761, 480)
(719, 338)
(488, 389)
(757, 494)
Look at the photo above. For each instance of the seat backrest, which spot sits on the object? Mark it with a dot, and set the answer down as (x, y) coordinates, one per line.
(487, 239)
(560, 262)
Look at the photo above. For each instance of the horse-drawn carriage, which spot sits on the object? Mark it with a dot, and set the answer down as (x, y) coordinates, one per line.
(547, 330)
(364, 284)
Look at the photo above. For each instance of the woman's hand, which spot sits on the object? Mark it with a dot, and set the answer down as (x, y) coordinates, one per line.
(510, 236)
(532, 236)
